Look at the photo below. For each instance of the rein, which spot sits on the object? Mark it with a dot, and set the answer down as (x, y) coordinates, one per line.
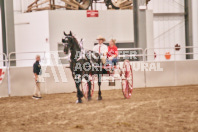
(86, 55)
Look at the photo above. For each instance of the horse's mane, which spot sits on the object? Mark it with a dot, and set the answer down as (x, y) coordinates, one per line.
(76, 41)
(87, 52)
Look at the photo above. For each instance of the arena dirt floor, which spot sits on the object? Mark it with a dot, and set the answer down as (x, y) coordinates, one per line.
(152, 109)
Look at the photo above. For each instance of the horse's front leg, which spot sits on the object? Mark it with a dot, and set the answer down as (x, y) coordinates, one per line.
(89, 85)
(99, 85)
(79, 92)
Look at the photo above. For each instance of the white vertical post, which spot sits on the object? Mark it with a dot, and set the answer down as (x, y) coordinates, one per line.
(22, 6)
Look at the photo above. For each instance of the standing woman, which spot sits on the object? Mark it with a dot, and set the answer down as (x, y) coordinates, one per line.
(112, 52)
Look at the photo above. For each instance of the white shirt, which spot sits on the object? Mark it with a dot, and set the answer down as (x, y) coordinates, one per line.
(100, 48)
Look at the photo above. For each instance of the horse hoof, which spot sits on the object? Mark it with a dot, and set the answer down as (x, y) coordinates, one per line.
(78, 101)
(100, 98)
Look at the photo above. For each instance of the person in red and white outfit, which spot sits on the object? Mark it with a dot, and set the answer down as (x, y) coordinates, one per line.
(112, 53)
(101, 48)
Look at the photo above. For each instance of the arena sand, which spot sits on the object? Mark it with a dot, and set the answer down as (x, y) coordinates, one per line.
(150, 109)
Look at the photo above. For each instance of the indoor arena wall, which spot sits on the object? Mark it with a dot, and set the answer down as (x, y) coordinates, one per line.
(175, 73)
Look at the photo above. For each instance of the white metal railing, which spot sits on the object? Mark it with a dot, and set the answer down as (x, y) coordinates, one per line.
(5, 59)
(173, 52)
(43, 55)
(134, 55)
(143, 54)
(16, 53)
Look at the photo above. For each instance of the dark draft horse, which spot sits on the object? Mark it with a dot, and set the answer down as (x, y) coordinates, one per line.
(82, 64)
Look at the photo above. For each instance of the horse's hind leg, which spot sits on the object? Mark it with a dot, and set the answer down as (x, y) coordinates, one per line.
(99, 85)
(79, 92)
(89, 85)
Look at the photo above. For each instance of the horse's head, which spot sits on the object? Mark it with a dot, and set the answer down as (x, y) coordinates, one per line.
(67, 42)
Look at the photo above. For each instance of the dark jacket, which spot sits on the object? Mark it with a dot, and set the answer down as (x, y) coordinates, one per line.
(37, 68)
